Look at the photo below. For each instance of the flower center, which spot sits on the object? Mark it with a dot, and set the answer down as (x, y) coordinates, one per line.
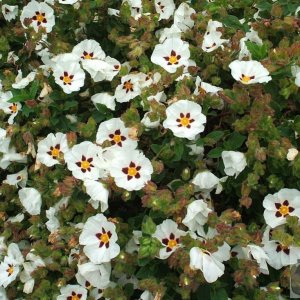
(10, 270)
(173, 59)
(85, 164)
(185, 120)
(117, 138)
(87, 55)
(246, 79)
(128, 86)
(66, 78)
(13, 108)
(283, 209)
(132, 171)
(172, 244)
(283, 248)
(74, 296)
(55, 152)
(104, 238)
(39, 17)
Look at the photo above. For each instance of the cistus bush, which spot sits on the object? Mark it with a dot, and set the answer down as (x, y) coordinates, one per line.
(148, 149)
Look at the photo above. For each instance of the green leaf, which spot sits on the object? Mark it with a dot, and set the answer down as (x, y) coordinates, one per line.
(215, 153)
(148, 226)
(215, 135)
(219, 294)
(19, 96)
(258, 52)
(34, 88)
(233, 22)
(235, 141)
(178, 149)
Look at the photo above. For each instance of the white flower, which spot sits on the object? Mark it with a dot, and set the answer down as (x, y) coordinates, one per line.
(9, 12)
(133, 244)
(98, 192)
(52, 224)
(280, 205)
(31, 200)
(185, 119)
(165, 8)
(148, 123)
(32, 263)
(114, 131)
(17, 179)
(95, 61)
(197, 214)
(167, 33)
(69, 76)
(21, 83)
(146, 295)
(100, 70)
(40, 14)
(202, 88)
(99, 237)
(251, 36)
(169, 236)
(206, 181)
(248, 72)
(104, 99)
(234, 162)
(113, 12)
(296, 72)
(128, 89)
(84, 161)
(8, 271)
(253, 252)
(205, 261)
(72, 292)
(136, 8)
(52, 148)
(182, 17)
(10, 267)
(88, 49)
(9, 108)
(67, 1)
(131, 169)
(171, 54)
(292, 153)
(280, 255)
(96, 275)
(9, 154)
(16, 219)
(212, 38)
